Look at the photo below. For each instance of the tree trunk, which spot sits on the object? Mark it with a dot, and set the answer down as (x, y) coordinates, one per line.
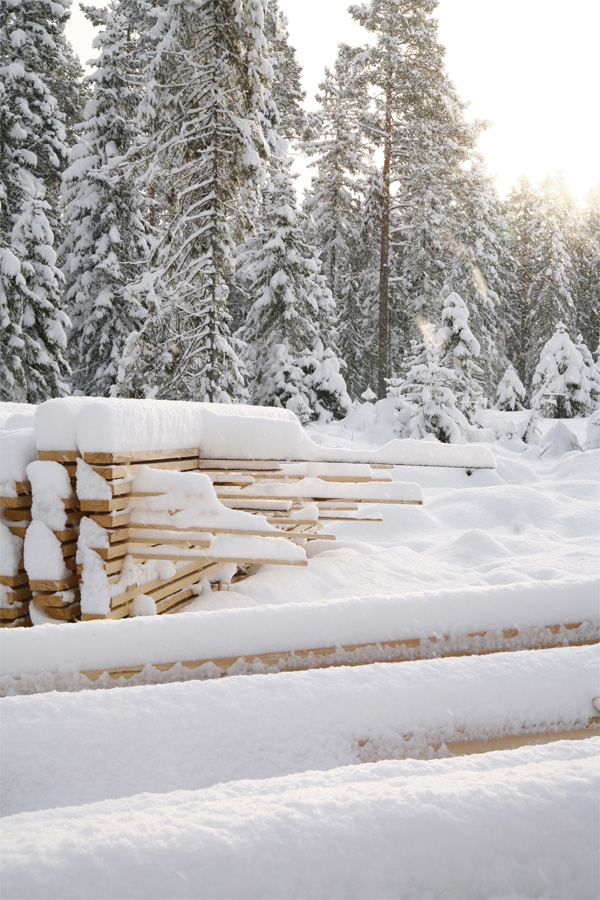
(384, 266)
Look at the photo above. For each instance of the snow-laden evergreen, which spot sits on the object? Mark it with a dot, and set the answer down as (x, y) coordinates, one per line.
(206, 151)
(291, 359)
(460, 351)
(593, 373)
(337, 144)
(108, 235)
(510, 393)
(425, 400)
(550, 294)
(286, 85)
(32, 153)
(561, 387)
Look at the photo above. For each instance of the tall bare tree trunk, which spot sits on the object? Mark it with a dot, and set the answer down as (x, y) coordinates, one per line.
(384, 266)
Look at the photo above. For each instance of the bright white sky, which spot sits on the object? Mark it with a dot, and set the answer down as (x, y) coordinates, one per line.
(530, 67)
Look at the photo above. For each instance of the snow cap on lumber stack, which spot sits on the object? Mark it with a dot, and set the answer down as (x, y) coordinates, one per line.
(17, 450)
(16, 415)
(56, 423)
(246, 432)
(193, 496)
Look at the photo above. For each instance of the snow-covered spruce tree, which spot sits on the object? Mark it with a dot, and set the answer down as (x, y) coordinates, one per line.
(109, 237)
(286, 85)
(587, 274)
(560, 382)
(521, 215)
(32, 151)
(477, 269)
(550, 296)
(510, 393)
(358, 311)
(332, 200)
(460, 351)
(425, 401)
(289, 329)
(206, 152)
(593, 373)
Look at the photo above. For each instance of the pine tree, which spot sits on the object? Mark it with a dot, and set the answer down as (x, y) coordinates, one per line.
(477, 269)
(510, 392)
(560, 382)
(593, 373)
(425, 400)
(522, 215)
(459, 352)
(426, 145)
(289, 329)
(550, 295)
(332, 200)
(109, 237)
(587, 274)
(207, 150)
(32, 152)
(286, 86)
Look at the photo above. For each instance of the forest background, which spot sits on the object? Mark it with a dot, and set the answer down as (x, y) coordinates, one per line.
(153, 243)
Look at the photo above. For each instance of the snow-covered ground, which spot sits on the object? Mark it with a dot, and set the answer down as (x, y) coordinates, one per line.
(296, 785)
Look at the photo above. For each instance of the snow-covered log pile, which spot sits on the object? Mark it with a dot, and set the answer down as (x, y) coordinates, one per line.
(17, 449)
(154, 527)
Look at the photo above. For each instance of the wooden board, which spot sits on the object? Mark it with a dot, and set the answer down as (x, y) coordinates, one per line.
(320, 656)
(62, 456)
(139, 456)
(15, 611)
(122, 471)
(64, 584)
(22, 502)
(14, 580)
(104, 506)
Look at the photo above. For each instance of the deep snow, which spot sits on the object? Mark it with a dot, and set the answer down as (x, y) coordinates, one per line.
(211, 788)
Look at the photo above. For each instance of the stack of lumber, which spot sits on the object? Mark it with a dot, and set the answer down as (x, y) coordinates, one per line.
(16, 451)
(156, 533)
(15, 591)
(55, 523)
(306, 494)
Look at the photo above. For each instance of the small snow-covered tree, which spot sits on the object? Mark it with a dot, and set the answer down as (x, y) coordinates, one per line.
(593, 373)
(289, 328)
(109, 237)
(426, 403)
(510, 392)
(459, 351)
(560, 383)
(550, 295)
(32, 150)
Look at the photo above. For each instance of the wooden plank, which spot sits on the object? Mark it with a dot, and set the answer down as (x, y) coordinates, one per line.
(54, 600)
(14, 580)
(16, 515)
(107, 521)
(175, 542)
(322, 658)
(158, 583)
(62, 456)
(64, 613)
(122, 471)
(133, 530)
(19, 594)
(62, 584)
(257, 465)
(117, 504)
(15, 611)
(512, 741)
(138, 456)
(22, 502)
